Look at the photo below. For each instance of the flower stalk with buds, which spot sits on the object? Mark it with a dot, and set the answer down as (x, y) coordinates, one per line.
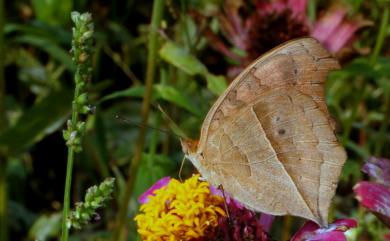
(81, 55)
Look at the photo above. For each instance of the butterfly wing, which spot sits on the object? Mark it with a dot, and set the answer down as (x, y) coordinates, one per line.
(269, 140)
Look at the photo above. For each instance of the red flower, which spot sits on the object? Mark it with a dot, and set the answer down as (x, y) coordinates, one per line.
(375, 196)
(245, 225)
(144, 198)
(274, 22)
(378, 169)
(335, 232)
(334, 30)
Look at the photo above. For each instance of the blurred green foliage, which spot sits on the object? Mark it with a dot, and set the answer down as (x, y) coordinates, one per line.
(38, 82)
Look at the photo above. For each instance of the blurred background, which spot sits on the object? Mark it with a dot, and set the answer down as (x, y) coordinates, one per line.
(202, 45)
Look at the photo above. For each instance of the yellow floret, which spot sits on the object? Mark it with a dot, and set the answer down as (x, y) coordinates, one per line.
(180, 211)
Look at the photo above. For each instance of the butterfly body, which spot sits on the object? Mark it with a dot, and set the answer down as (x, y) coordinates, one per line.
(269, 139)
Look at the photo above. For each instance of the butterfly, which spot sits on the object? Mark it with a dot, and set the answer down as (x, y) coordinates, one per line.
(269, 138)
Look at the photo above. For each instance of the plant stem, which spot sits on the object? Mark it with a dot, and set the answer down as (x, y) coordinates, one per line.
(374, 58)
(385, 123)
(3, 120)
(286, 231)
(3, 125)
(3, 202)
(311, 10)
(362, 87)
(381, 35)
(68, 183)
(119, 233)
(81, 51)
(69, 167)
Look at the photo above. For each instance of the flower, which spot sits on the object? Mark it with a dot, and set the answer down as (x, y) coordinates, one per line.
(179, 211)
(335, 232)
(245, 225)
(193, 210)
(144, 198)
(274, 22)
(378, 169)
(334, 30)
(375, 196)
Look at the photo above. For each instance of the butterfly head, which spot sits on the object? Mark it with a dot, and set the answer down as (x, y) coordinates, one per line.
(191, 151)
(189, 146)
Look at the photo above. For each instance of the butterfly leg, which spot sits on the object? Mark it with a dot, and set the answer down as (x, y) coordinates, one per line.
(225, 203)
(181, 168)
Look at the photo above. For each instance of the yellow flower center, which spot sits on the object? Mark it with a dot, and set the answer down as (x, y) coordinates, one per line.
(180, 211)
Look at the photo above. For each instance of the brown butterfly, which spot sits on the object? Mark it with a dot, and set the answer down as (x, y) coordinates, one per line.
(269, 139)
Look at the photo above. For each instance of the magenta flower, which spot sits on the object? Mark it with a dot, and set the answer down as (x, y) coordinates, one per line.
(335, 232)
(245, 225)
(144, 198)
(378, 169)
(264, 220)
(274, 22)
(375, 196)
(334, 30)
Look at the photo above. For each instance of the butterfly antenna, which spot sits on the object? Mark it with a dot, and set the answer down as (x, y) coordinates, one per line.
(181, 167)
(174, 127)
(225, 204)
(145, 126)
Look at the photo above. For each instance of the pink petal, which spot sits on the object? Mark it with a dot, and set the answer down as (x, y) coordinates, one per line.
(216, 191)
(144, 198)
(266, 8)
(375, 197)
(344, 223)
(335, 232)
(341, 36)
(298, 7)
(266, 221)
(379, 169)
(327, 24)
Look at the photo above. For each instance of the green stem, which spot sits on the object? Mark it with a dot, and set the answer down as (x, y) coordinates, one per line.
(3, 201)
(382, 130)
(3, 125)
(354, 109)
(374, 58)
(82, 52)
(312, 10)
(120, 231)
(3, 120)
(69, 166)
(68, 182)
(381, 35)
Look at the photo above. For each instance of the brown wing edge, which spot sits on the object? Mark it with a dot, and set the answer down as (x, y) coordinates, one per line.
(238, 79)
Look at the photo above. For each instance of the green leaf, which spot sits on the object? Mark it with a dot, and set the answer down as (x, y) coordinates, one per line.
(52, 11)
(42, 119)
(173, 95)
(189, 64)
(50, 47)
(136, 91)
(163, 92)
(54, 34)
(45, 227)
(182, 59)
(216, 83)
(359, 150)
(351, 170)
(152, 168)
